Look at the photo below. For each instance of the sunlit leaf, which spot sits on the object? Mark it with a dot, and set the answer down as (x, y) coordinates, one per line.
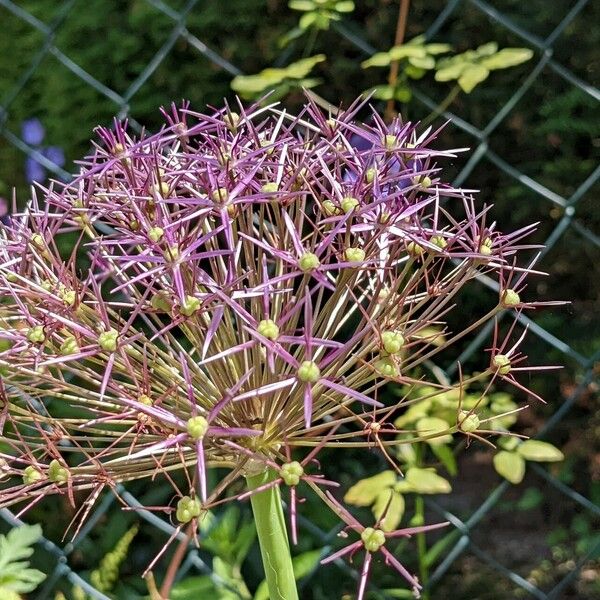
(395, 510)
(433, 426)
(365, 491)
(538, 451)
(422, 62)
(510, 465)
(507, 57)
(471, 77)
(427, 481)
(379, 59)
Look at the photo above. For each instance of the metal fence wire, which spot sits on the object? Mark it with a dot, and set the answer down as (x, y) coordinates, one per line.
(481, 137)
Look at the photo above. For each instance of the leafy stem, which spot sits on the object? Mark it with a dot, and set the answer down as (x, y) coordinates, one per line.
(395, 65)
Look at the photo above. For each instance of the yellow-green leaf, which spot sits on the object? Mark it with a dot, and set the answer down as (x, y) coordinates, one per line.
(301, 68)
(438, 48)
(539, 451)
(422, 62)
(510, 465)
(345, 6)
(436, 427)
(379, 59)
(406, 51)
(365, 491)
(394, 513)
(450, 70)
(427, 481)
(486, 49)
(507, 57)
(471, 77)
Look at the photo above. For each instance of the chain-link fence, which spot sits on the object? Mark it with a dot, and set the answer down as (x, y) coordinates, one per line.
(482, 150)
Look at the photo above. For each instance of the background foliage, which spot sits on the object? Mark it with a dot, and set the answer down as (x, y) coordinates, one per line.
(73, 65)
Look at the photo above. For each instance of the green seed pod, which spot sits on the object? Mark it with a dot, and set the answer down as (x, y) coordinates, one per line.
(390, 142)
(188, 509)
(190, 305)
(69, 346)
(370, 174)
(309, 372)
(269, 188)
(423, 181)
(220, 195)
(160, 189)
(329, 208)
(232, 120)
(414, 249)
(269, 329)
(439, 241)
(308, 262)
(386, 367)
(160, 301)
(107, 340)
(291, 472)
(354, 254)
(486, 247)
(510, 298)
(468, 421)
(392, 341)
(57, 473)
(501, 363)
(36, 335)
(197, 427)
(31, 475)
(348, 204)
(372, 539)
(155, 234)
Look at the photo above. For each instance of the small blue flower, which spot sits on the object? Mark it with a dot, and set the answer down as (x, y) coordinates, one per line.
(32, 132)
(33, 170)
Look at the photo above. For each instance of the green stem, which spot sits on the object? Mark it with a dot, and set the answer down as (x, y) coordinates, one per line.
(422, 546)
(420, 520)
(272, 537)
(442, 106)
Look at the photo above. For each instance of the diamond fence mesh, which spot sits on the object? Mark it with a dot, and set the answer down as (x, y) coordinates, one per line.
(482, 144)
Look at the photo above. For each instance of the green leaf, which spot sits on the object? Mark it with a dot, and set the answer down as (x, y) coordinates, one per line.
(540, 451)
(507, 57)
(414, 72)
(303, 5)
(471, 77)
(406, 51)
(301, 68)
(192, 588)
(427, 481)
(403, 94)
(365, 491)
(393, 516)
(438, 48)
(346, 6)
(15, 574)
(450, 69)
(436, 427)
(308, 19)
(381, 92)
(510, 465)
(531, 498)
(422, 62)
(400, 593)
(250, 86)
(379, 59)
(486, 49)
(447, 458)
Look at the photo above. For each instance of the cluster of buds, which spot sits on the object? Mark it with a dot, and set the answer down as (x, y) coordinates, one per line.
(226, 292)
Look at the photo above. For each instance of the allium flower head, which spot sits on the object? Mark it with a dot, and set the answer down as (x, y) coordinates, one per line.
(225, 292)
